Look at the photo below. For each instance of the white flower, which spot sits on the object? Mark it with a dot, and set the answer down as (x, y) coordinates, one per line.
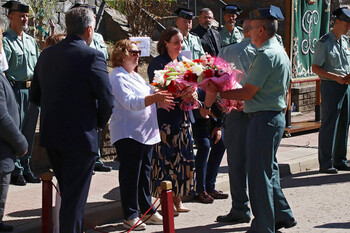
(185, 59)
(181, 68)
(197, 69)
(159, 76)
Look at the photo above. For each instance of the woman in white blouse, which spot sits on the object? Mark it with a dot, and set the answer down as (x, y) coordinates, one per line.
(134, 131)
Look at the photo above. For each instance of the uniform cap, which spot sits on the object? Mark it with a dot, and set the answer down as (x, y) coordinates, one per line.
(184, 13)
(232, 9)
(342, 13)
(272, 12)
(16, 6)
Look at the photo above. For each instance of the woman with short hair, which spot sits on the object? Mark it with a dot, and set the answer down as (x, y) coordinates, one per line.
(134, 131)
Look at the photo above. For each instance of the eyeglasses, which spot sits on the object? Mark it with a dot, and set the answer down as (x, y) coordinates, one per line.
(135, 52)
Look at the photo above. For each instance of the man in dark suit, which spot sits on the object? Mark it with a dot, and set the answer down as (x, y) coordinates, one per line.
(71, 85)
(12, 141)
(210, 38)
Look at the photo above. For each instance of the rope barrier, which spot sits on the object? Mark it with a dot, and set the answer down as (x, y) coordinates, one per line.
(168, 213)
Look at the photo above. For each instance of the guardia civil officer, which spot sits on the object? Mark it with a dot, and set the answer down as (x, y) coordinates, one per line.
(332, 63)
(235, 131)
(230, 33)
(192, 43)
(22, 53)
(264, 96)
(210, 38)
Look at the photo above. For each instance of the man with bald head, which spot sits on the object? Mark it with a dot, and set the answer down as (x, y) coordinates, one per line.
(210, 38)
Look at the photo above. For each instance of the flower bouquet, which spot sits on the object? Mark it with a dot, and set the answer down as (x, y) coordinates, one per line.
(177, 77)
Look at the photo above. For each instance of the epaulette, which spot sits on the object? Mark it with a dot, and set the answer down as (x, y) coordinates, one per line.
(324, 38)
(345, 38)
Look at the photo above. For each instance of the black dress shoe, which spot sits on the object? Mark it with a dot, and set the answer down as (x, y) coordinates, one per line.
(330, 170)
(18, 180)
(286, 224)
(102, 168)
(5, 227)
(229, 218)
(30, 178)
(343, 167)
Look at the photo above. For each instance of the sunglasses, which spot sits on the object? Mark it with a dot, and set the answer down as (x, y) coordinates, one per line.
(135, 52)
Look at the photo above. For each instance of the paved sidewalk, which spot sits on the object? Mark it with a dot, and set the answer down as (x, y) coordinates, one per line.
(23, 208)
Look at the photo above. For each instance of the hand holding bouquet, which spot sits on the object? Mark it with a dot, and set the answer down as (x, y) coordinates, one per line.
(208, 73)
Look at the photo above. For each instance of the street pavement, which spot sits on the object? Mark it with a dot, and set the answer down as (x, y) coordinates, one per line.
(320, 202)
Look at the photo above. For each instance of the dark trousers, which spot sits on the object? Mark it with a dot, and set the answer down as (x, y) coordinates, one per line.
(206, 169)
(268, 202)
(235, 138)
(73, 170)
(333, 136)
(29, 116)
(4, 188)
(134, 176)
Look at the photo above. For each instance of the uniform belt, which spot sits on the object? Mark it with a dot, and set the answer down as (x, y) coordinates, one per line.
(21, 84)
(253, 114)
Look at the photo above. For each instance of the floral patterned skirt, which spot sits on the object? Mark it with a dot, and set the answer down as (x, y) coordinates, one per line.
(173, 160)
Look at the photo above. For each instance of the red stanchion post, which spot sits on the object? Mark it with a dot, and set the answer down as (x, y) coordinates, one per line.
(167, 207)
(46, 225)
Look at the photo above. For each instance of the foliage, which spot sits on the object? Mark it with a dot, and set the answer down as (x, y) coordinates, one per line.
(41, 11)
(141, 13)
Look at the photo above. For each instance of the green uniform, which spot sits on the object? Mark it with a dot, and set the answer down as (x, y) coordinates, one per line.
(228, 38)
(240, 55)
(273, 86)
(99, 44)
(193, 43)
(270, 71)
(333, 55)
(22, 54)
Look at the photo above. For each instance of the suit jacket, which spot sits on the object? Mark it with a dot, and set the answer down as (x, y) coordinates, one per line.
(12, 140)
(71, 85)
(210, 38)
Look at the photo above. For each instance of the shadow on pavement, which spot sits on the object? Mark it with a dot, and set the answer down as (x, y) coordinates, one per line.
(113, 194)
(302, 179)
(339, 225)
(215, 227)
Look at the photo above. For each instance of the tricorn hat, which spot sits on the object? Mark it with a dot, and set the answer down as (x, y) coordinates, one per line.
(272, 12)
(16, 6)
(184, 13)
(232, 9)
(342, 13)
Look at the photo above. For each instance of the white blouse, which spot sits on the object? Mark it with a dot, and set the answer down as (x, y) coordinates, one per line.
(130, 117)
